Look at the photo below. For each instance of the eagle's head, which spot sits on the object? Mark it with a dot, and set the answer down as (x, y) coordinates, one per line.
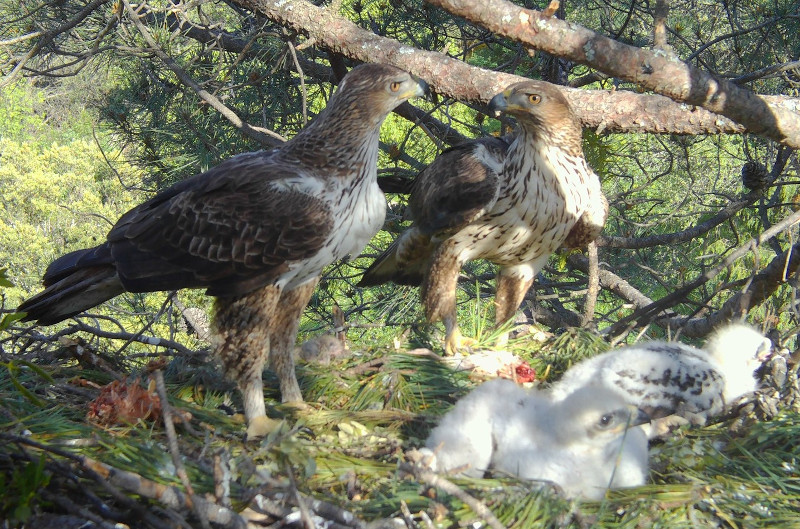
(541, 110)
(344, 136)
(370, 91)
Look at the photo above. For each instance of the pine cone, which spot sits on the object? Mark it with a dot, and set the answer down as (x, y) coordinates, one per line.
(754, 176)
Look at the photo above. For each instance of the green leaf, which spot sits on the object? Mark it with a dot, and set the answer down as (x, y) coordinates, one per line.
(4, 282)
(28, 394)
(9, 319)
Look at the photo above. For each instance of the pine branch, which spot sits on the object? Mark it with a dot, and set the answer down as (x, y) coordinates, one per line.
(615, 111)
(653, 70)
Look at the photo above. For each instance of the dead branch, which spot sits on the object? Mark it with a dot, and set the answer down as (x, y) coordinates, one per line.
(654, 70)
(618, 111)
(647, 314)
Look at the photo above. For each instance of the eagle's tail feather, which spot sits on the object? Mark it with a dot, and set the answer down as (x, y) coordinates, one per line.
(383, 268)
(75, 282)
(404, 262)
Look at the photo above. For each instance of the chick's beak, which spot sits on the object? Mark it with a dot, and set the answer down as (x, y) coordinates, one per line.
(638, 417)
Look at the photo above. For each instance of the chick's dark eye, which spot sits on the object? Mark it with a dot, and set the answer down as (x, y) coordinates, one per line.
(395, 86)
(606, 420)
(534, 99)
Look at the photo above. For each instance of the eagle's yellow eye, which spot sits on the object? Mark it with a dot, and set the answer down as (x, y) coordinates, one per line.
(534, 99)
(395, 86)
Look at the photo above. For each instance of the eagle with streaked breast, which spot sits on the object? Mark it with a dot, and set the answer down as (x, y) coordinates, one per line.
(254, 231)
(513, 205)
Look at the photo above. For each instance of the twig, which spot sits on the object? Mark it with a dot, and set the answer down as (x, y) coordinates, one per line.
(305, 515)
(172, 438)
(329, 511)
(410, 523)
(100, 333)
(434, 480)
(65, 503)
(222, 477)
(304, 98)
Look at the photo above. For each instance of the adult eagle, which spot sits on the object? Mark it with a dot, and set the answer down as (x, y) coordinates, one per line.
(255, 232)
(511, 204)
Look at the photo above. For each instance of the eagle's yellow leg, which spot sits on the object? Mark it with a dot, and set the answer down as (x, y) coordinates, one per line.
(512, 285)
(438, 294)
(242, 342)
(283, 336)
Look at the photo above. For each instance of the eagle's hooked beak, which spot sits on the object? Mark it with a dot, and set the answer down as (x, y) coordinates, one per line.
(638, 416)
(498, 104)
(422, 88)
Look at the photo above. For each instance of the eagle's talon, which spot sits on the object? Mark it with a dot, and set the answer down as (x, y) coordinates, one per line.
(262, 426)
(458, 343)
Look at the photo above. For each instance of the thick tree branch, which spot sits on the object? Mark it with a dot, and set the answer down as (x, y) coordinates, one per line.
(654, 70)
(618, 111)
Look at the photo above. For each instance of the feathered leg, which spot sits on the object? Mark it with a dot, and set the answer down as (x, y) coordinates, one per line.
(242, 342)
(513, 283)
(284, 334)
(439, 296)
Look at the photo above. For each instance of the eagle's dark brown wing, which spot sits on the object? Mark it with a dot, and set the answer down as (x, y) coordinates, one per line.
(230, 230)
(460, 185)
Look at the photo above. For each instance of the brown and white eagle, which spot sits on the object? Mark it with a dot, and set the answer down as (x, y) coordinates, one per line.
(513, 205)
(255, 232)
